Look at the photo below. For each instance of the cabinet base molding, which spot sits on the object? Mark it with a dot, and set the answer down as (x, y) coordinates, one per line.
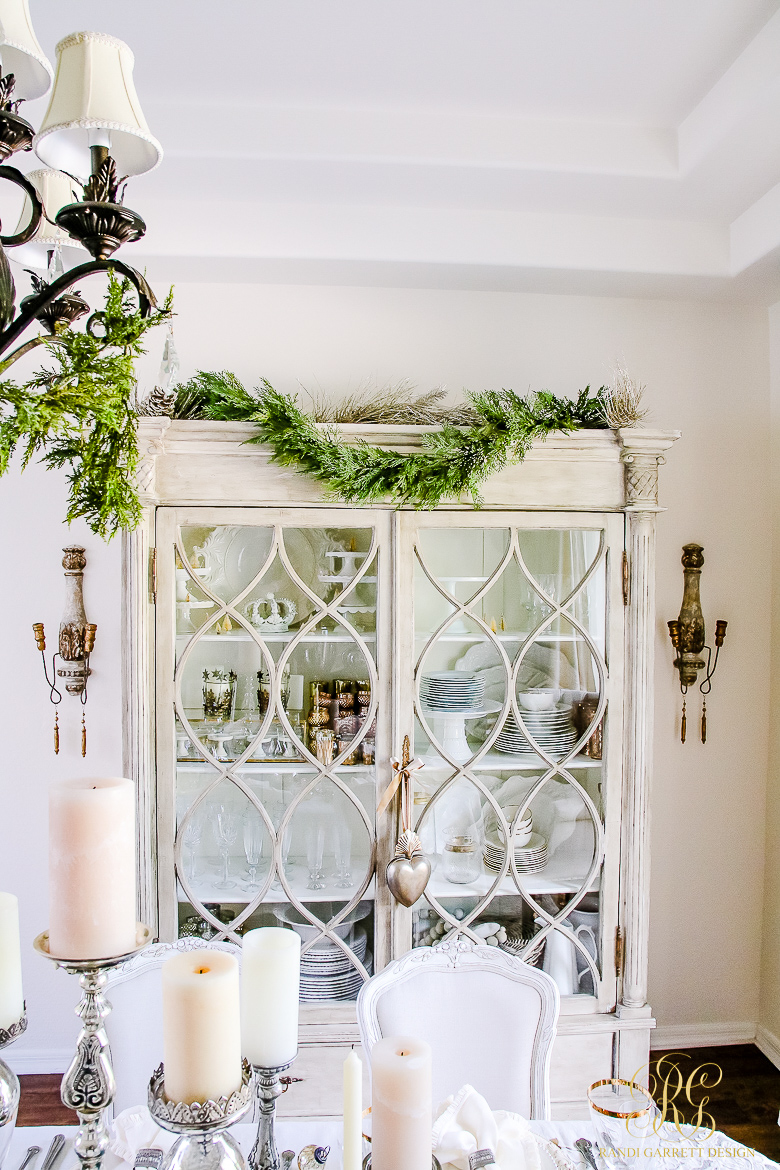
(711, 1035)
(769, 1044)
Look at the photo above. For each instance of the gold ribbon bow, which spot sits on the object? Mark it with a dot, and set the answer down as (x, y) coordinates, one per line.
(403, 770)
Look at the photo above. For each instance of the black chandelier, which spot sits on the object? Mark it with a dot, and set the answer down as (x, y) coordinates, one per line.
(93, 128)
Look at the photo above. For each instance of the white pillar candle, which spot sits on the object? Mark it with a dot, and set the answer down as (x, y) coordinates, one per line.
(11, 995)
(401, 1104)
(270, 978)
(201, 1026)
(353, 1112)
(92, 899)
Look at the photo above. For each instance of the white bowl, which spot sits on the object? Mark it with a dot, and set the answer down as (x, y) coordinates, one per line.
(536, 700)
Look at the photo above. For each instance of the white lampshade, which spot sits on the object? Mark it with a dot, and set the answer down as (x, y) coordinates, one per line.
(94, 92)
(56, 190)
(20, 52)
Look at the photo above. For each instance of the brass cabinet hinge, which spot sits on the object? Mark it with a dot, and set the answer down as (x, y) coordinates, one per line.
(153, 575)
(620, 952)
(626, 579)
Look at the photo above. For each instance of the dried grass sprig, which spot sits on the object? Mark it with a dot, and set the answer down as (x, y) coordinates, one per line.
(623, 400)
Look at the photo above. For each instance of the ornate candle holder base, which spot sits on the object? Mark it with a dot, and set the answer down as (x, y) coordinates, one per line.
(264, 1155)
(88, 1086)
(203, 1143)
(9, 1087)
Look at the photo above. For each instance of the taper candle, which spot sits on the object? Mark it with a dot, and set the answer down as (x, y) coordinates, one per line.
(11, 994)
(92, 896)
(270, 978)
(401, 1104)
(353, 1112)
(201, 1026)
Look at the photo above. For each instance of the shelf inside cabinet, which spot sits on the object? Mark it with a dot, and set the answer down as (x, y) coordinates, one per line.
(207, 891)
(501, 636)
(320, 639)
(271, 766)
(498, 762)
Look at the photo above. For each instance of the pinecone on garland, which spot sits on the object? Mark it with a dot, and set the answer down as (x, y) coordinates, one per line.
(158, 401)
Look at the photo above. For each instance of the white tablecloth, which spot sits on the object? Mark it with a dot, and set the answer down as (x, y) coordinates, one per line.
(295, 1134)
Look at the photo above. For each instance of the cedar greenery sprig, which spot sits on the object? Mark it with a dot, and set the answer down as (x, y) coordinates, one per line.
(80, 415)
(456, 461)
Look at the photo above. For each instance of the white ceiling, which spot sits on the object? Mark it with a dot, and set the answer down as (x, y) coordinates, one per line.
(584, 145)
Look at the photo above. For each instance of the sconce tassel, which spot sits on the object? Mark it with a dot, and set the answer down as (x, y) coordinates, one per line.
(56, 735)
(83, 734)
(683, 724)
(704, 721)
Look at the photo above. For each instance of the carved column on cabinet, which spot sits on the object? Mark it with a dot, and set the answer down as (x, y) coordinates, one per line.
(642, 455)
(137, 653)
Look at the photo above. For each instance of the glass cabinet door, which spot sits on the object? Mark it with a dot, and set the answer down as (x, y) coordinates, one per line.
(272, 712)
(517, 719)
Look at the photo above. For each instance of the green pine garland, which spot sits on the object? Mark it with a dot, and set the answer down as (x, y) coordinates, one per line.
(80, 414)
(455, 461)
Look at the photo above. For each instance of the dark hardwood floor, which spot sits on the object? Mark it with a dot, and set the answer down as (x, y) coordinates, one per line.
(744, 1105)
(746, 1102)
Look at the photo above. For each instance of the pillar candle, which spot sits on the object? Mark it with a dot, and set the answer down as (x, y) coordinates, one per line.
(401, 1104)
(201, 1026)
(11, 995)
(295, 701)
(270, 978)
(353, 1112)
(92, 898)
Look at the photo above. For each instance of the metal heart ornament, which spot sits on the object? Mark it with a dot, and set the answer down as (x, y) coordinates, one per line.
(408, 873)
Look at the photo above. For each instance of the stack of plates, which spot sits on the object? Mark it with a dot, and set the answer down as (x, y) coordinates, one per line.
(452, 690)
(529, 858)
(327, 973)
(552, 730)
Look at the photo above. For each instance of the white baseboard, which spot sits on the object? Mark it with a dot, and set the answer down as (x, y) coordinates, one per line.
(38, 1060)
(705, 1035)
(769, 1044)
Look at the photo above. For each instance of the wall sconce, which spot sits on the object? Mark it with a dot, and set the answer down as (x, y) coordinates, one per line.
(75, 644)
(689, 639)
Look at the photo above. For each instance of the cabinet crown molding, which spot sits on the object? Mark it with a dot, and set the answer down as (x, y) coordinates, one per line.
(199, 461)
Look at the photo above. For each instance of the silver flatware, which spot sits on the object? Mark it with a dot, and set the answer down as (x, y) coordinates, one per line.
(32, 1153)
(586, 1149)
(54, 1151)
(288, 1157)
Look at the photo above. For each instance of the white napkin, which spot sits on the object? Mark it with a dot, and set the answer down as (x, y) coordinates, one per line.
(134, 1130)
(465, 1124)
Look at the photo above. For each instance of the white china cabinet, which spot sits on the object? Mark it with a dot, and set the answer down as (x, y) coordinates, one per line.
(278, 650)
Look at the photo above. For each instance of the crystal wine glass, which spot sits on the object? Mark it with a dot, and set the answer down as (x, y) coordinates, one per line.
(227, 835)
(253, 844)
(625, 1118)
(194, 838)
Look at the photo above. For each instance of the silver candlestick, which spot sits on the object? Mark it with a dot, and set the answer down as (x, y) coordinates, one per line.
(264, 1155)
(88, 1086)
(203, 1143)
(9, 1086)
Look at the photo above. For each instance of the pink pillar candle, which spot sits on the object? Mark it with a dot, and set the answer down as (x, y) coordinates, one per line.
(92, 895)
(201, 1026)
(401, 1104)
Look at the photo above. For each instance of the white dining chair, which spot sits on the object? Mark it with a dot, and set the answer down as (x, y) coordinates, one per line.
(135, 1025)
(489, 1018)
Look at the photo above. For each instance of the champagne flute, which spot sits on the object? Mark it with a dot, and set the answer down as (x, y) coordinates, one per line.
(253, 844)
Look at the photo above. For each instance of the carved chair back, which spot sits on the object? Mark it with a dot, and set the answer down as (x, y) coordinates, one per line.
(489, 1018)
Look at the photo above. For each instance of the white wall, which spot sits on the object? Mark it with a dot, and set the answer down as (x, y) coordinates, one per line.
(706, 367)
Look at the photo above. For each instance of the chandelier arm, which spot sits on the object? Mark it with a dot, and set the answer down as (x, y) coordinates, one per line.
(12, 175)
(35, 305)
(41, 339)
